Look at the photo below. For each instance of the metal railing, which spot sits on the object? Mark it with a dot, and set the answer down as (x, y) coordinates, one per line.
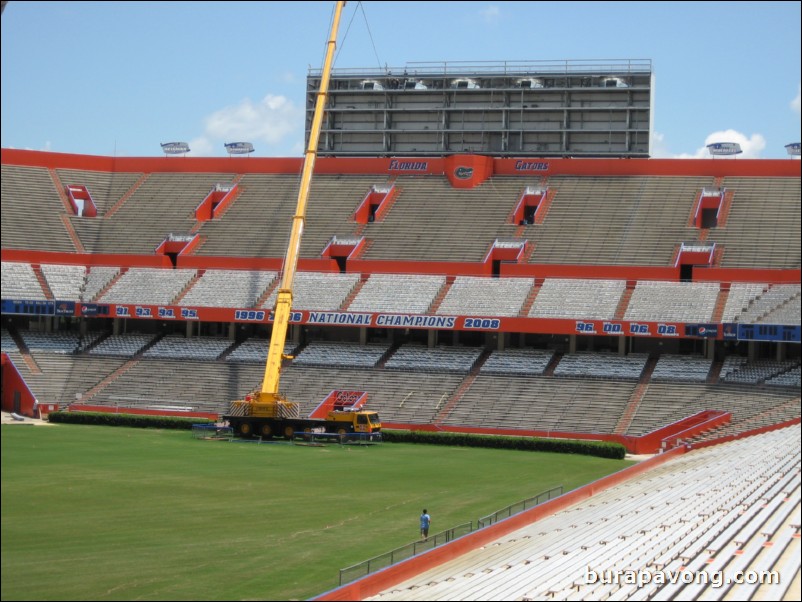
(377, 563)
(501, 68)
(352, 573)
(518, 507)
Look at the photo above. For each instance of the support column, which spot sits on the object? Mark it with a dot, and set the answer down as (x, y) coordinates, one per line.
(115, 327)
(572, 344)
(622, 346)
(432, 339)
(363, 336)
(189, 329)
(782, 350)
(751, 351)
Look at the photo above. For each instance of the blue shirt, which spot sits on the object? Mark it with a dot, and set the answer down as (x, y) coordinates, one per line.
(424, 521)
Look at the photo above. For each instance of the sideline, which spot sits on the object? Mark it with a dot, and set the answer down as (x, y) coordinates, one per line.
(8, 419)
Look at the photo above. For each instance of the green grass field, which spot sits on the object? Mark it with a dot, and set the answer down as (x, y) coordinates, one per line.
(103, 513)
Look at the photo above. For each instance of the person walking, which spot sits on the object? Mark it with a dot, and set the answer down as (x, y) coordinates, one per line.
(425, 521)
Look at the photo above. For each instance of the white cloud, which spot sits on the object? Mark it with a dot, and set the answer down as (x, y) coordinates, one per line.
(269, 122)
(659, 149)
(201, 147)
(491, 14)
(751, 146)
(795, 103)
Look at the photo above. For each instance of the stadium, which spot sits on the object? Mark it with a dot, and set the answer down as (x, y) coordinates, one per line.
(487, 248)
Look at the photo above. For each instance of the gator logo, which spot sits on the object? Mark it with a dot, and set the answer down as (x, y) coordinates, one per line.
(464, 173)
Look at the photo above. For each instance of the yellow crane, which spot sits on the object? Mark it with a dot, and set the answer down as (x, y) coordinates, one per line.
(266, 412)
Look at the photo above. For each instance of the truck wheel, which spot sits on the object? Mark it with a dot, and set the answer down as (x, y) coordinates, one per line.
(343, 433)
(289, 432)
(266, 431)
(245, 429)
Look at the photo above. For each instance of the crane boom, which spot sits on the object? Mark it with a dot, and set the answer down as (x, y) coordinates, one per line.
(281, 315)
(266, 412)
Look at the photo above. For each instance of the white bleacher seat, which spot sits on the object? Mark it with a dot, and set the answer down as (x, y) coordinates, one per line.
(148, 285)
(8, 343)
(65, 281)
(474, 296)
(692, 511)
(398, 293)
(779, 305)
(122, 345)
(198, 348)
(318, 291)
(96, 280)
(682, 368)
(255, 351)
(517, 361)
(56, 342)
(437, 359)
(673, 301)
(602, 365)
(579, 299)
(19, 282)
(741, 296)
(228, 288)
(346, 355)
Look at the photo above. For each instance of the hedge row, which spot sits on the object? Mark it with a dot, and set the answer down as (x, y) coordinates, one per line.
(601, 449)
(131, 420)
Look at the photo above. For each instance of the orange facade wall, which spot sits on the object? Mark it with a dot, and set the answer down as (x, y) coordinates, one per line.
(14, 386)
(527, 167)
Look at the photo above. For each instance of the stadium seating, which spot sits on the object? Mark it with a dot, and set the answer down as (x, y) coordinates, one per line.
(148, 285)
(602, 365)
(177, 347)
(682, 368)
(763, 226)
(318, 291)
(471, 296)
(524, 362)
(19, 282)
(672, 301)
(710, 509)
(345, 355)
(64, 281)
(611, 220)
(397, 293)
(228, 288)
(438, 359)
(579, 299)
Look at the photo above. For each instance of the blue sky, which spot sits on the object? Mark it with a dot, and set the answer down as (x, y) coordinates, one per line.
(118, 78)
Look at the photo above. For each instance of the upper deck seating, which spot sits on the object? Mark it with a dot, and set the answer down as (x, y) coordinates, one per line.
(579, 299)
(65, 281)
(19, 282)
(228, 288)
(474, 296)
(673, 301)
(155, 286)
(317, 291)
(398, 293)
